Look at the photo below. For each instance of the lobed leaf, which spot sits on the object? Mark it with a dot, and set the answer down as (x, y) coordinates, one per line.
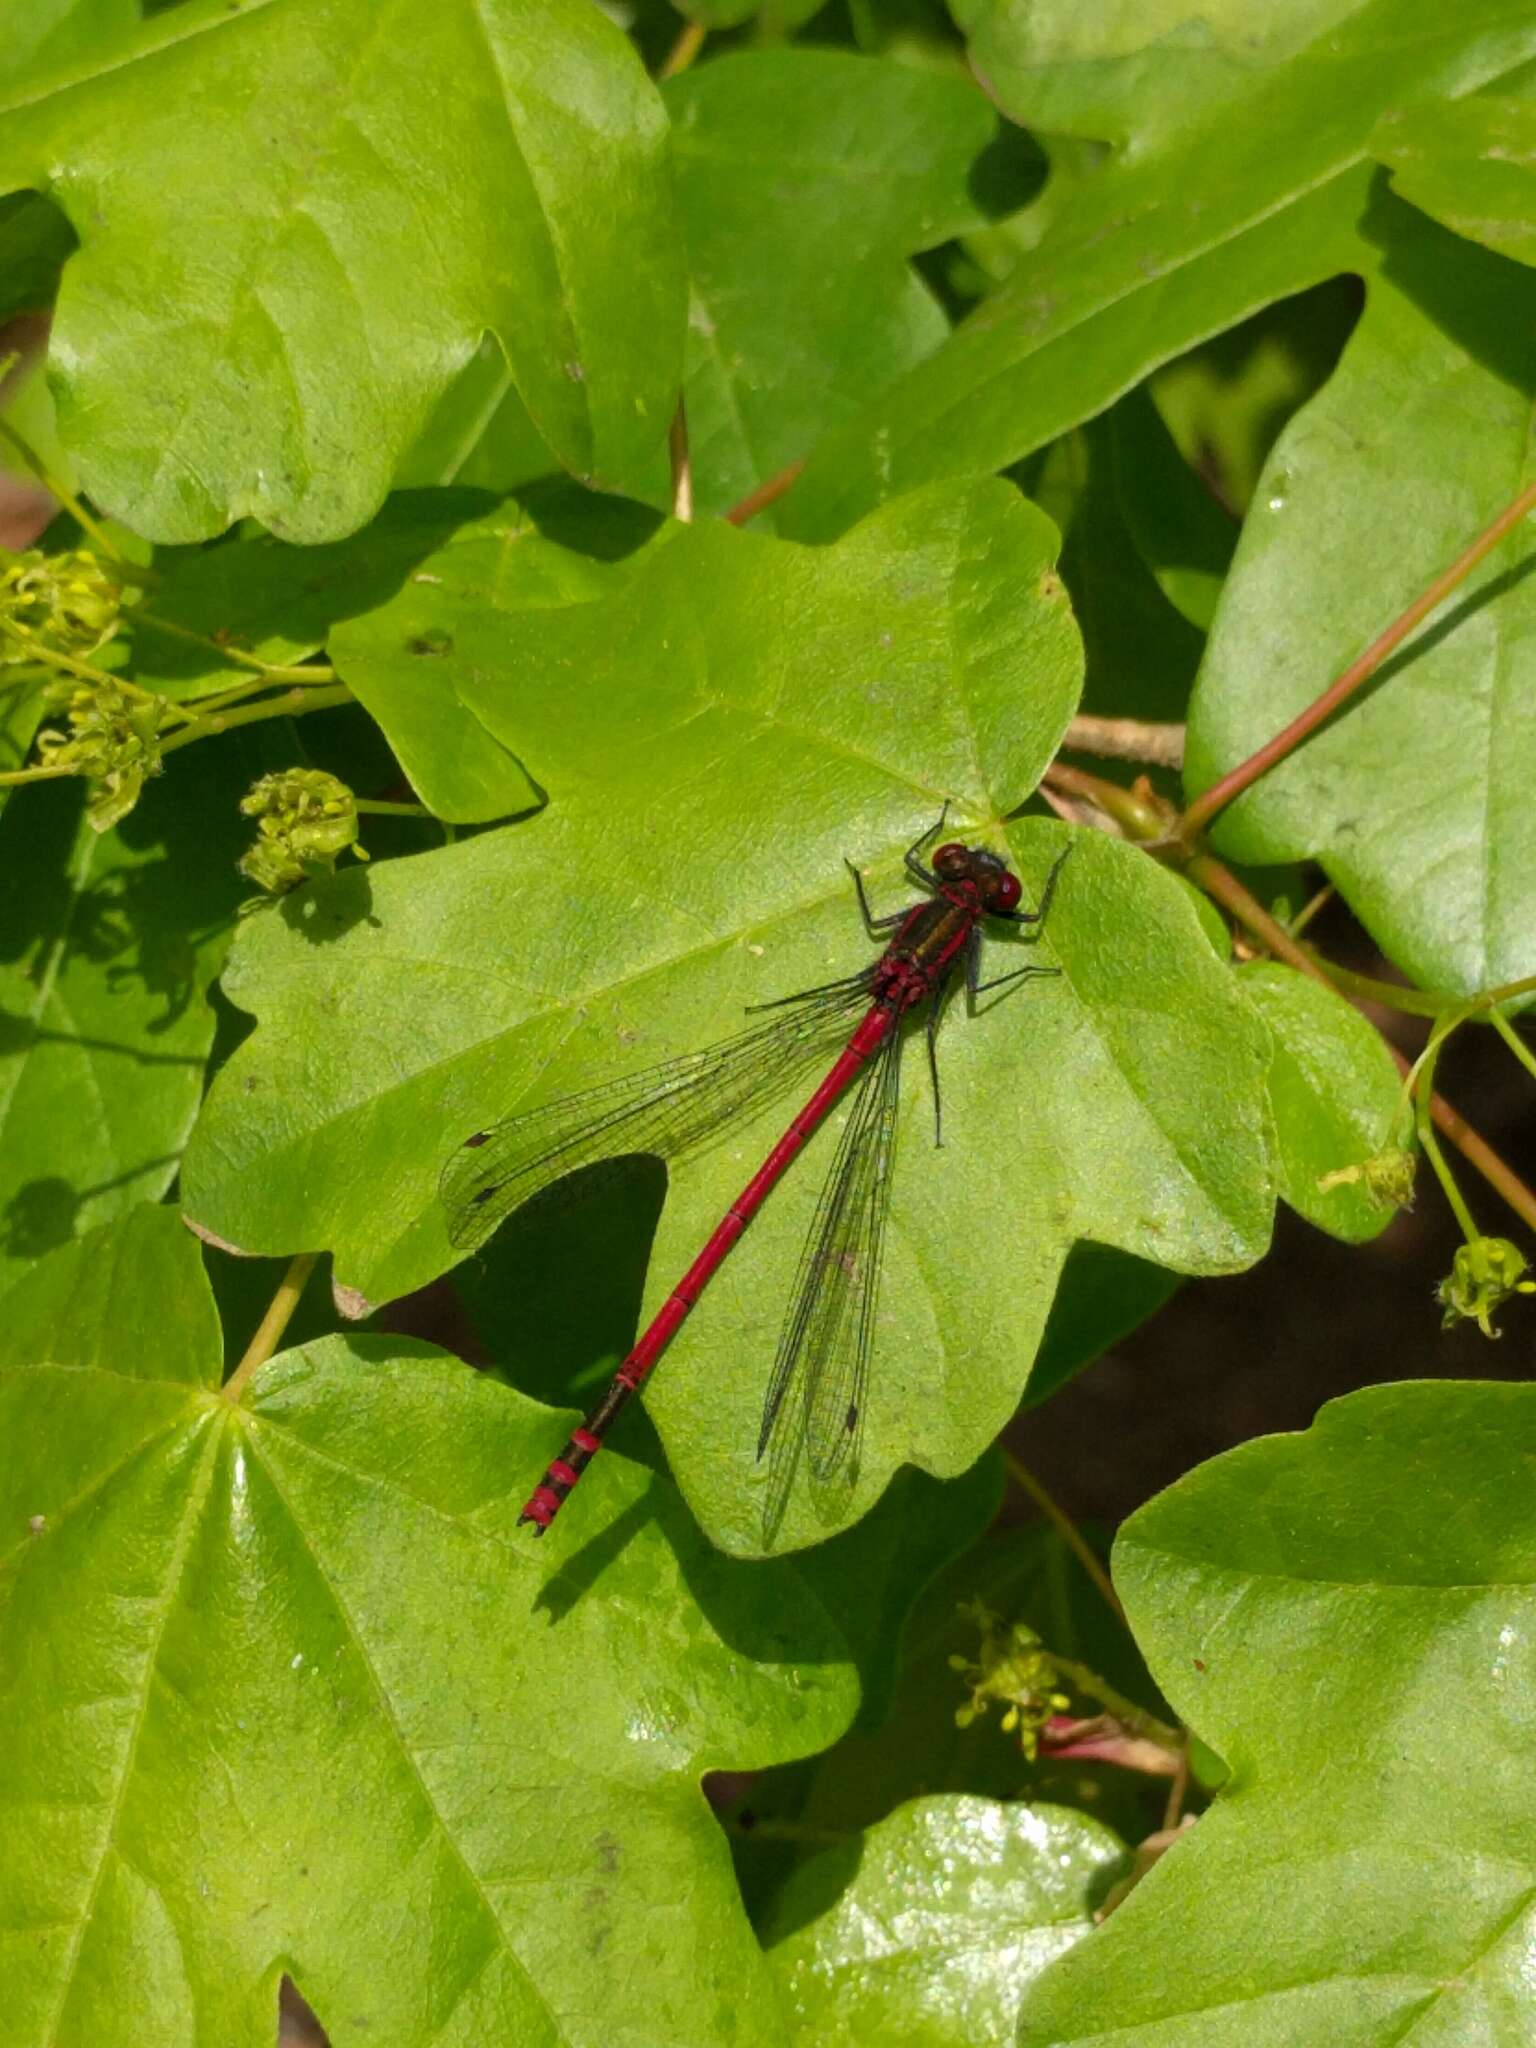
(426, 661)
(759, 711)
(1260, 195)
(946, 1913)
(805, 177)
(1413, 797)
(296, 224)
(319, 1709)
(1346, 1615)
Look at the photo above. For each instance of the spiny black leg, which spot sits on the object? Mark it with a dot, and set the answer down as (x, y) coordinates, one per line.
(873, 925)
(909, 859)
(1002, 980)
(975, 986)
(1037, 916)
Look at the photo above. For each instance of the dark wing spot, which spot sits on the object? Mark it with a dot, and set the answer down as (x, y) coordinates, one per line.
(481, 1195)
(853, 1416)
(479, 1138)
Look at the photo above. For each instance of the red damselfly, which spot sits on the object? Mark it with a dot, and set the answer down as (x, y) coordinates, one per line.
(815, 1398)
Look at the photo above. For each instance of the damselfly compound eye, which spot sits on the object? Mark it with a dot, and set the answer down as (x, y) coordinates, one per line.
(1006, 891)
(951, 857)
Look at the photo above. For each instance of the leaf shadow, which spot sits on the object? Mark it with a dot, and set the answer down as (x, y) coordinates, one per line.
(327, 910)
(248, 581)
(1482, 301)
(144, 921)
(44, 1213)
(580, 1573)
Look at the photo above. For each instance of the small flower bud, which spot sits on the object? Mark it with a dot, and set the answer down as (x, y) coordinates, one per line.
(305, 819)
(1483, 1276)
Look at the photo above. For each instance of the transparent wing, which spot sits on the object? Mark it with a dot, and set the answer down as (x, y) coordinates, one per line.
(664, 1109)
(815, 1401)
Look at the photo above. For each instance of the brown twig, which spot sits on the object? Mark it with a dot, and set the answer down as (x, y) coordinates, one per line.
(684, 50)
(1127, 739)
(1199, 814)
(764, 495)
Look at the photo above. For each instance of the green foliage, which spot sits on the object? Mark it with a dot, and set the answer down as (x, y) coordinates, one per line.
(403, 366)
(938, 1927)
(1154, 1140)
(1337, 1102)
(1260, 194)
(1429, 409)
(111, 941)
(804, 179)
(309, 1654)
(283, 348)
(1469, 163)
(1345, 1615)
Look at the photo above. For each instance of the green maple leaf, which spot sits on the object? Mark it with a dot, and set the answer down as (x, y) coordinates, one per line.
(296, 222)
(1259, 191)
(715, 738)
(1436, 858)
(1345, 1615)
(285, 1692)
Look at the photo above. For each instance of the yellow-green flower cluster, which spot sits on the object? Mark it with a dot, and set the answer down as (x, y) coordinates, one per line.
(113, 740)
(1014, 1668)
(305, 819)
(1483, 1276)
(69, 604)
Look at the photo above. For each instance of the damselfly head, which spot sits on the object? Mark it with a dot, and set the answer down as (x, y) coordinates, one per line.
(987, 873)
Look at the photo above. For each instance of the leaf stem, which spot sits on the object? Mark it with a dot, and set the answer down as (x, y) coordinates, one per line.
(1178, 1791)
(1126, 739)
(1220, 883)
(1065, 1528)
(56, 658)
(788, 1831)
(763, 495)
(1310, 909)
(1198, 814)
(1480, 1155)
(1137, 816)
(682, 464)
(1423, 1097)
(378, 808)
(1391, 995)
(1137, 1719)
(684, 50)
(1514, 1041)
(12, 778)
(236, 656)
(293, 703)
(271, 1327)
(136, 571)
